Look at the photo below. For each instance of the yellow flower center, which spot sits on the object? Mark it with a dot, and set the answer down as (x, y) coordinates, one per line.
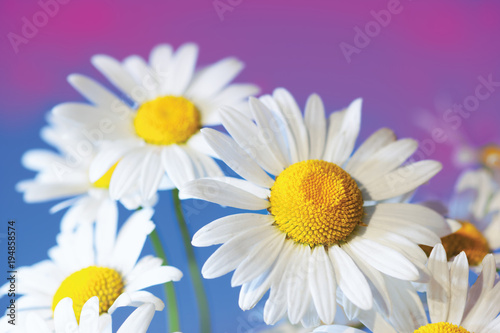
(316, 203)
(490, 156)
(106, 283)
(104, 181)
(167, 120)
(441, 328)
(467, 239)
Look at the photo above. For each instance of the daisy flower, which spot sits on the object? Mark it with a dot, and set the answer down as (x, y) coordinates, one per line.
(65, 174)
(453, 307)
(327, 223)
(94, 261)
(476, 212)
(160, 131)
(90, 321)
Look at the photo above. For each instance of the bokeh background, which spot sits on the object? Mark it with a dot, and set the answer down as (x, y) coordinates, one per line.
(411, 67)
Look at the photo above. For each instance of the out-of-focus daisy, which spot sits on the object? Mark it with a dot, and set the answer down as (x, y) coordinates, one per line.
(90, 321)
(476, 210)
(161, 131)
(453, 307)
(327, 223)
(65, 174)
(89, 262)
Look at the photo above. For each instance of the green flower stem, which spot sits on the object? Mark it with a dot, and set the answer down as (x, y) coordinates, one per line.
(194, 270)
(172, 311)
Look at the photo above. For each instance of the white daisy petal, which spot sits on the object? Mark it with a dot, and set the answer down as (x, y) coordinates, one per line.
(291, 112)
(117, 75)
(233, 252)
(297, 285)
(385, 160)
(438, 294)
(402, 215)
(64, 316)
(106, 225)
(311, 318)
(459, 275)
(158, 275)
(232, 96)
(204, 166)
(385, 259)
(142, 75)
(131, 239)
(236, 158)
(375, 279)
(253, 291)
(160, 58)
(97, 93)
(259, 259)
(248, 136)
(223, 193)
(110, 153)
(322, 284)
(350, 279)
(401, 180)
(139, 320)
(136, 298)
(177, 165)
(225, 228)
(89, 316)
(374, 143)
(337, 329)
(214, 78)
(199, 143)
(151, 174)
(314, 118)
(272, 128)
(182, 68)
(127, 173)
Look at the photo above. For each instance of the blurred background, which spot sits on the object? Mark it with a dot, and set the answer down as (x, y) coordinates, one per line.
(428, 69)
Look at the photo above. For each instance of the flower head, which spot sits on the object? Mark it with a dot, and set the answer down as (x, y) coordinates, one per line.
(328, 222)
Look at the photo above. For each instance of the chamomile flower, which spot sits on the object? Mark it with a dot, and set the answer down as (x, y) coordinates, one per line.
(476, 209)
(65, 174)
(453, 307)
(94, 261)
(160, 132)
(90, 321)
(327, 223)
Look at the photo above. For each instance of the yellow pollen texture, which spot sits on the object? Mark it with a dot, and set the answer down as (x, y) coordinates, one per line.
(316, 203)
(441, 328)
(167, 120)
(106, 283)
(104, 181)
(467, 239)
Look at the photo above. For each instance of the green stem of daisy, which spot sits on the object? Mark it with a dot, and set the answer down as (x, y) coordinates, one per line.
(194, 270)
(173, 311)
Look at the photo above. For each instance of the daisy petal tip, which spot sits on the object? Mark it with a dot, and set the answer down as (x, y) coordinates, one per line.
(438, 252)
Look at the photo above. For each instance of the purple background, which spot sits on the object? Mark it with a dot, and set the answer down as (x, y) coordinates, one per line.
(427, 58)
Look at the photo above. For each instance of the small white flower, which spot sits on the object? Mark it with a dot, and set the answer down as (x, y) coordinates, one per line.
(160, 132)
(65, 174)
(89, 262)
